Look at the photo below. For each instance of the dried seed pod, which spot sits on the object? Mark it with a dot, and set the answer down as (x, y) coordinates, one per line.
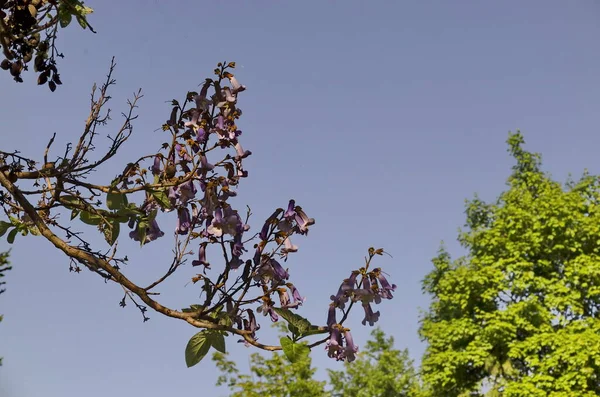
(170, 171)
(15, 68)
(5, 64)
(42, 79)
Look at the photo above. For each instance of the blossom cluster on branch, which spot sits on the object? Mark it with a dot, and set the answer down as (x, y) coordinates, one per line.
(189, 179)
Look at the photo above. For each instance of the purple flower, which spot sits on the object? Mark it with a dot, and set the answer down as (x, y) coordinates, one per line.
(201, 136)
(295, 293)
(204, 164)
(303, 221)
(290, 214)
(235, 85)
(187, 191)
(235, 262)
(173, 195)
(152, 233)
(216, 226)
(346, 288)
(334, 344)
(367, 293)
(156, 166)
(386, 289)
(241, 153)
(331, 320)
(237, 246)
(183, 221)
(350, 349)
(370, 317)
(220, 122)
(279, 273)
(201, 257)
(288, 247)
(250, 325)
(267, 309)
(229, 97)
(224, 224)
(182, 152)
(264, 232)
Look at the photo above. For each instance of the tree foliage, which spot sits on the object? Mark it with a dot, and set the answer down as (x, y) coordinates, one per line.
(378, 371)
(519, 315)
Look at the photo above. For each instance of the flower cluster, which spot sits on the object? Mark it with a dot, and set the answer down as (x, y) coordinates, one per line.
(372, 287)
(198, 193)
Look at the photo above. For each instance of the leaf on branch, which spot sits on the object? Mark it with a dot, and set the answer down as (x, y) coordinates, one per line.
(197, 347)
(4, 226)
(11, 236)
(217, 340)
(294, 351)
(298, 322)
(90, 219)
(115, 200)
(161, 198)
(111, 231)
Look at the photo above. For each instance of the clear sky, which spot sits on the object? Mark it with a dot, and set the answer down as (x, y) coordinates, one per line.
(378, 117)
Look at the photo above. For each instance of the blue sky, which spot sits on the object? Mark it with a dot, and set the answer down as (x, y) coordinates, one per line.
(379, 118)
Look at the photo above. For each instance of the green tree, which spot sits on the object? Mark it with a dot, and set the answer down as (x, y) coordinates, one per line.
(379, 371)
(519, 315)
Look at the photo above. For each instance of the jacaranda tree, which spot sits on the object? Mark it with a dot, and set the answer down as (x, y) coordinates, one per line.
(519, 315)
(190, 177)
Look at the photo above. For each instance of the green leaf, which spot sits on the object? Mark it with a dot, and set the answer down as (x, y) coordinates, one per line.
(90, 219)
(115, 200)
(64, 16)
(11, 236)
(294, 351)
(299, 322)
(161, 198)
(82, 21)
(111, 231)
(217, 340)
(197, 348)
(71, 201)
(4, 226)
(142, 228)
